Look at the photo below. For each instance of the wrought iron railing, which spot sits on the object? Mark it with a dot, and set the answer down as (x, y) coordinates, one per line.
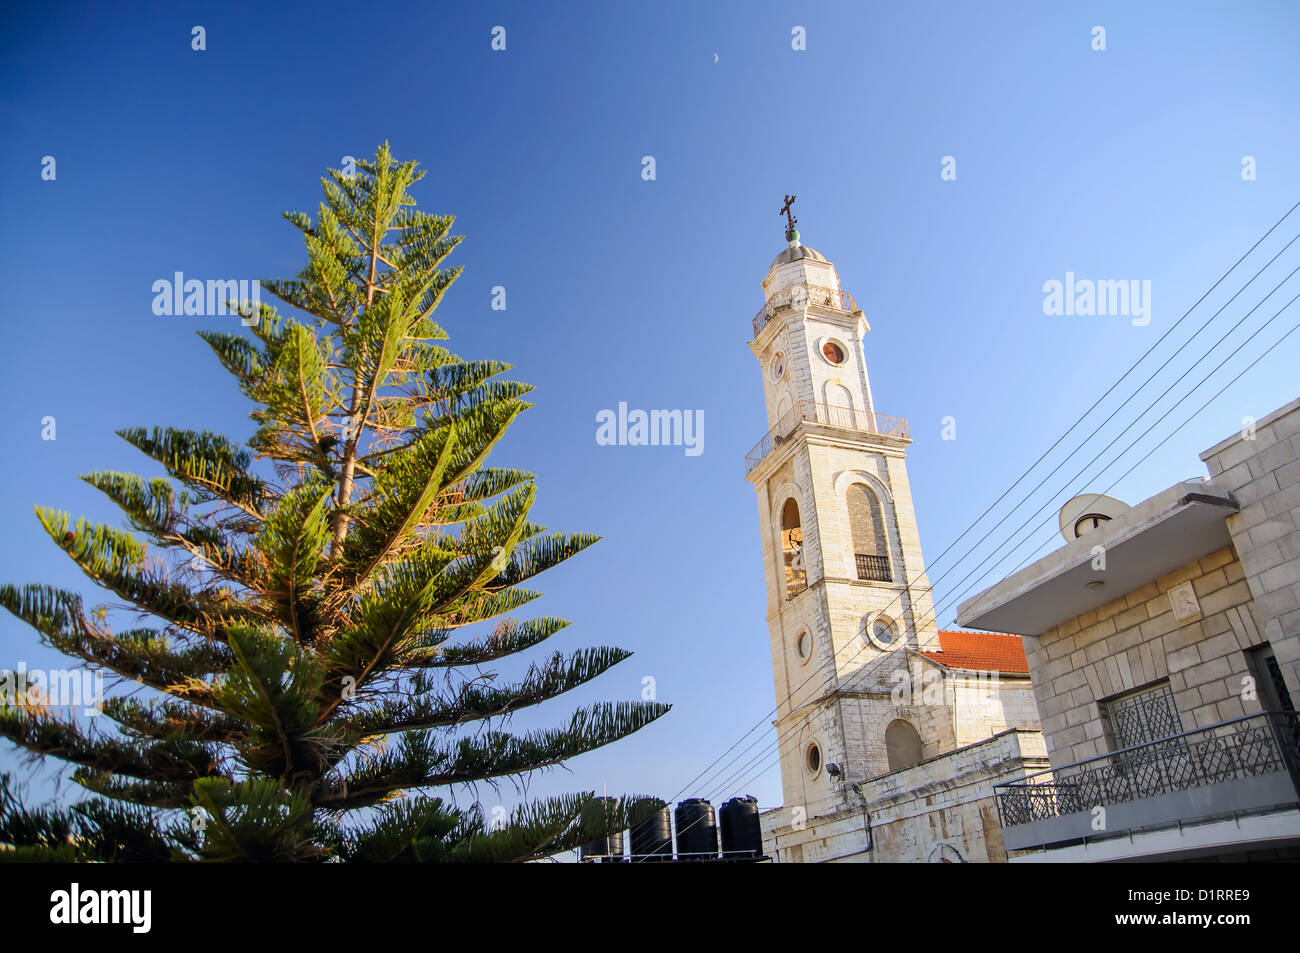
(801, 296)
(1248, 747)
(849, 418)
(873, 568)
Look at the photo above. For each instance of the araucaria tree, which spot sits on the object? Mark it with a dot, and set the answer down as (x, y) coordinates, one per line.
(323, 600)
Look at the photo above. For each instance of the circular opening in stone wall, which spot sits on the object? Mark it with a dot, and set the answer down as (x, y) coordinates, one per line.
(778, 366)
(813, 759)
(880, 633)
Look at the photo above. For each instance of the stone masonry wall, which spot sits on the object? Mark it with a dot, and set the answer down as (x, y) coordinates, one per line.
(1261, 467)
(940, 810)
(984, 706)
(1134, 641)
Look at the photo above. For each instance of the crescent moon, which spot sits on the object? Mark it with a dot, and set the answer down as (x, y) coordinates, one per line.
(715, 57)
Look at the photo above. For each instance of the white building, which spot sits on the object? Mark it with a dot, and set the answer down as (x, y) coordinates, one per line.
(1164, 645)
(891, 734)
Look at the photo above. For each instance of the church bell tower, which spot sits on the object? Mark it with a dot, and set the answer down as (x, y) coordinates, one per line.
(847, 596)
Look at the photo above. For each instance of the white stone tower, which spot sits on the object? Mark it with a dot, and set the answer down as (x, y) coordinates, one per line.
(846, 584)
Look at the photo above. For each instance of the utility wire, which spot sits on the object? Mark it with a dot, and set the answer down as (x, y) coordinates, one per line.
(1189, 419)
(709, 768)
(799, 726)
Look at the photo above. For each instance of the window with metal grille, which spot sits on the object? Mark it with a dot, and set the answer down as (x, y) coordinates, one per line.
(1140, 717)
(870, 544)
(1138, 723)
(875, 568)
(1275, 697)
(1273, 693)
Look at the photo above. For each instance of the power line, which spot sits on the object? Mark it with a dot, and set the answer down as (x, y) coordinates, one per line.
(791, 730)
(709, 768)
(1162, 395)
(1153, 405)
(1294, 328)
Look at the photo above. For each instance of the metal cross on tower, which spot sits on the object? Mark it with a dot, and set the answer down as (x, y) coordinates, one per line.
(785, 210)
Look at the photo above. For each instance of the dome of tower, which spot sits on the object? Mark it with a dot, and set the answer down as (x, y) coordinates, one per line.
(794, 253)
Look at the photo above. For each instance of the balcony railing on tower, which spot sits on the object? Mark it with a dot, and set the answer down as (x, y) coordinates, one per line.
(846, 418)
(798, 297)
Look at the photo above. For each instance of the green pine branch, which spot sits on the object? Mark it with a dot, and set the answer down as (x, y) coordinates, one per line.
(314, 590)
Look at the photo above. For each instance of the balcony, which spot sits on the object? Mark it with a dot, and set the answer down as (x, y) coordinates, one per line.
(873, 568)
(1237, 767)
(801, 296)
(844, 418)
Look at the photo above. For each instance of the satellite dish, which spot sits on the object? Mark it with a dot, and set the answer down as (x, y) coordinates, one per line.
(1086, 512)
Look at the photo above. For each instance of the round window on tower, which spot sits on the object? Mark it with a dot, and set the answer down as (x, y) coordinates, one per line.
(881, 633)
(803, 645)
(834, 353)
(813, 759)
(777, 367)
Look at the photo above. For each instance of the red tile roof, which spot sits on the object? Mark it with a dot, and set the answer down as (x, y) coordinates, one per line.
(981, 651)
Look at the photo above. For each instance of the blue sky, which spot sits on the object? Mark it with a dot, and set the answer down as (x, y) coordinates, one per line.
(1117, 164)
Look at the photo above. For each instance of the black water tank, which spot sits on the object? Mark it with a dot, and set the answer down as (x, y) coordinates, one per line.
(610, 847)
(742, 834)
(697, 830)
(652, 839)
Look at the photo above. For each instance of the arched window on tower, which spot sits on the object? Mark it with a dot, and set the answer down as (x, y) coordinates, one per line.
(840, 411)
(796, 573)
(867, 525)
(902, 745)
